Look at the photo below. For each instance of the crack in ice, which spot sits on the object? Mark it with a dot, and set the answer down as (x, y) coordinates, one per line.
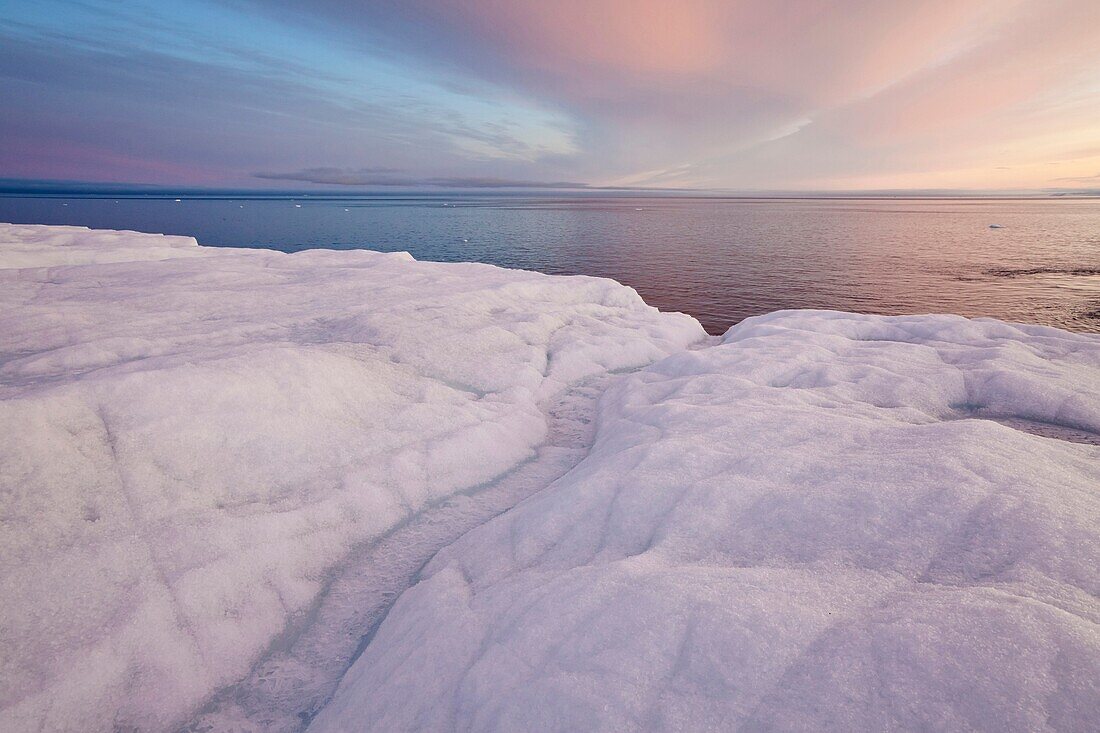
(301, 670)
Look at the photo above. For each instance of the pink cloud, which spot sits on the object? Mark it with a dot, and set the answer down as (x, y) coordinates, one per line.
(762, 92)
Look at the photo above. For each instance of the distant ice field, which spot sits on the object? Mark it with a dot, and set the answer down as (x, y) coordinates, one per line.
(352, 491)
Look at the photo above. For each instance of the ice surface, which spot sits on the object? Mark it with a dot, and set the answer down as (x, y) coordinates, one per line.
(195, 438)
(221, 467)
(826, 522)
(298, 675)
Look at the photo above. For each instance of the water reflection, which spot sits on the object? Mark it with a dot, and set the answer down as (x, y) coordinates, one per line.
(720, 260)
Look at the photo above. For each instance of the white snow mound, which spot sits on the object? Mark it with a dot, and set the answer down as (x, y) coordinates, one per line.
(193, 438)
(827, 522)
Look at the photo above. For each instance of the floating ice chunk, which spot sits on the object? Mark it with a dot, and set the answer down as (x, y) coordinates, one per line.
(803, 528)
(194, 437)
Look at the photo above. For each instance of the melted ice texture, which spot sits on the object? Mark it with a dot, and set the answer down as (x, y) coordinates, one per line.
(827, 521)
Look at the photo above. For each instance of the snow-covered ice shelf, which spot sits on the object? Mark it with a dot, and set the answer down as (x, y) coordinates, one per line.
(221, 468)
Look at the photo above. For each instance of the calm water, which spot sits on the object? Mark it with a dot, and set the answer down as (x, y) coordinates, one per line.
(719, 259)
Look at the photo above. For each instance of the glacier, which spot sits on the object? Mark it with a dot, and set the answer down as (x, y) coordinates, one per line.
(235, 484)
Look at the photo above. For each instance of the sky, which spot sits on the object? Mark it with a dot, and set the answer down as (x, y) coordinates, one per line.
(741, 95)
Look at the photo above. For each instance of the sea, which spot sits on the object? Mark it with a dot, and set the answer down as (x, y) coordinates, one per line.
(721, 259)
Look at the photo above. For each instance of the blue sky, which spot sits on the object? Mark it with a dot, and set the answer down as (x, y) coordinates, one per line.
(203, 93)
(833, 94)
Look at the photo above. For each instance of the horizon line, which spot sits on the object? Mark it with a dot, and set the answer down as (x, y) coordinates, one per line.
(55, 187)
